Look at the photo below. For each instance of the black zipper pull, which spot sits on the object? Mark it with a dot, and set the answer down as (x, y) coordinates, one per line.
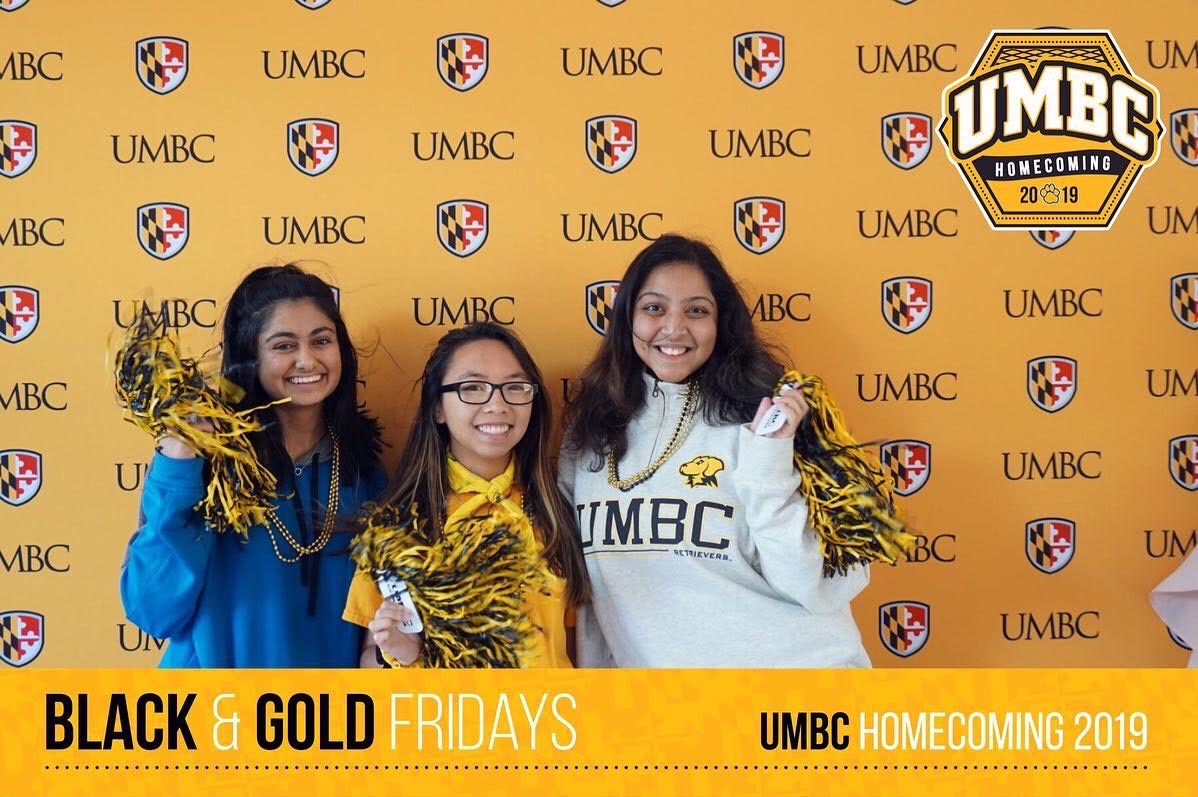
(656, 389)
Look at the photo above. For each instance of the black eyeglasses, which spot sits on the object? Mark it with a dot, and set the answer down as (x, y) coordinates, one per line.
(478, 392)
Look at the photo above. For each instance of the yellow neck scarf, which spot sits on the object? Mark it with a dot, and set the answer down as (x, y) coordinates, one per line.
(476, 493)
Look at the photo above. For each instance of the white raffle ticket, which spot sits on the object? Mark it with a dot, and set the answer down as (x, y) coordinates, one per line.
(775, 418)
(394, 589)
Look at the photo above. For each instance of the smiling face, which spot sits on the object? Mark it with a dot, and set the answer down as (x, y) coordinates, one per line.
(674, 321)
(298, 356)
(482, 436)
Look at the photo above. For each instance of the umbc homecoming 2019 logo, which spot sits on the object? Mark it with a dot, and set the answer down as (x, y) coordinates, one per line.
(21, 636)
(18, 147)
(906, 138)
(909, 463)
(904, 626)
(462, 60)
(1051, 128)
(11, 5)
(163, 228)
(18, 312)
(758, 58)
(600, 304)
(1050, 543)
(462, 226)
(161, 63)
(313, 145)
(20, 475)
(611, 141)
(1052, 382)
(759, 222)
(906, 303)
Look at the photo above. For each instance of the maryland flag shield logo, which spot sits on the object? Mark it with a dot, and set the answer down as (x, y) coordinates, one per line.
(312, 5)
(11, 5)
(1183, 134)
(313, 145)
(21, 636)
(462, 60)
(1177, 640)
(906, 138)
(909, 463)
(19, 312)
(1051, 238)
(904, 626)
(906, 303)
(163, 229)
(1050, 129)
(611, 142)
(600, 304)
(462, 226)
(1052, 382)
(1183, 461)
(18, 147)
(759, 222)
(611, 3)
(20, 475)
(1050, 543)
(1183, 298)
(161, 63)
(758, 58)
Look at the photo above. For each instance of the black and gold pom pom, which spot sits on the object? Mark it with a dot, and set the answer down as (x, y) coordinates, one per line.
(850, 500)
(468, 585)
(164, 393)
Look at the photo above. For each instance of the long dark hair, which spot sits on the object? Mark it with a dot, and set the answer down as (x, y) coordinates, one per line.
(741, 370)
(249, 309)
(421, 477)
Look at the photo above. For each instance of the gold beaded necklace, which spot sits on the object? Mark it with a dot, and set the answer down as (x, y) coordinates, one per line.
(685, 421)
(274, 523)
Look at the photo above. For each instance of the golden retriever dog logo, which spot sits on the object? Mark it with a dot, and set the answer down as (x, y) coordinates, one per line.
(701, 471)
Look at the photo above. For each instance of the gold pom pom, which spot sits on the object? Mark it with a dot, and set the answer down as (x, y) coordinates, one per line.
(164, 393)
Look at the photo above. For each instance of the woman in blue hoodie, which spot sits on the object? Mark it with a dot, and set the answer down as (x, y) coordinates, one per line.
(273, 598)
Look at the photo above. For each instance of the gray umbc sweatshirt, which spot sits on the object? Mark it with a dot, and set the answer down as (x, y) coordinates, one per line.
(710, 562)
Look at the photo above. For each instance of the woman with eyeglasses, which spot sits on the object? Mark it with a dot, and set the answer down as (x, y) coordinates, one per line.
(480, 444)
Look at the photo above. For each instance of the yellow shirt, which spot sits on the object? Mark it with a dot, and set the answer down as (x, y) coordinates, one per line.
(471, 495)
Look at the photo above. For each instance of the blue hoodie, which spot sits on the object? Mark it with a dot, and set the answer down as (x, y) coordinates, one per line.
(224, 601)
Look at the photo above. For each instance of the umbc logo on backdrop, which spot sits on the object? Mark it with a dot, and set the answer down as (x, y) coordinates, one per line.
(600, 301)
(906, 138)
(462, 226)
(906, 303)
(11, 5)
(18, 147)
(19, 312)
(909, 463)
(1183, 296)
(462, 60)
(1184, 135)
(21, 635)
(313, 145)
(611, 142)
(759, 222)
(904, 626)
(1050, 543)
(758, 58)
(20, 475)
(161, 63)
(1183, 461)
(163, 228)
(1052, 382)
(1050, 238)
(1050, 128)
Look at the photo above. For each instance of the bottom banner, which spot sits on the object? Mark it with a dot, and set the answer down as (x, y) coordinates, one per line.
(926, 732)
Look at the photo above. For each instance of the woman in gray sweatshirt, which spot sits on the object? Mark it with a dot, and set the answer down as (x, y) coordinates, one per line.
(693, 528)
